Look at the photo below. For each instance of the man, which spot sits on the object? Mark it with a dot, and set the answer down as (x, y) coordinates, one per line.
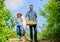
(31, 15)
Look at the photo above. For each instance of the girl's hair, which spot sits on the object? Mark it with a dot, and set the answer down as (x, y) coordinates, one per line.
(19, 14)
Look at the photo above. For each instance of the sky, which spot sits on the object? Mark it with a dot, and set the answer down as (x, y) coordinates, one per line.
(16, 6)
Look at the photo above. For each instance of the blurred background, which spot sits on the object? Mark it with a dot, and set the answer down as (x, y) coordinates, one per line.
(48, 12)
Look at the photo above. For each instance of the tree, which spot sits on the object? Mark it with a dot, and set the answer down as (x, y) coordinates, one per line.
(52, 14)
(11, 23)
(5, 15)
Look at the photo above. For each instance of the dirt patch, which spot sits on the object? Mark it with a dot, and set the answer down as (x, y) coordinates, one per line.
(26, 40)
(16, 40)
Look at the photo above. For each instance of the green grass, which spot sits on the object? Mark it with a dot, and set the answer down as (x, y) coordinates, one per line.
(39, 36)
(7, 40)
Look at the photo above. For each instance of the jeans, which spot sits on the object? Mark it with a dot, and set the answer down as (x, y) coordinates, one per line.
(19, 30)
(31, 32)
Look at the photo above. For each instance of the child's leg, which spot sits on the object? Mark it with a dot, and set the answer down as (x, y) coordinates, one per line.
(19, 32)
(19, 36)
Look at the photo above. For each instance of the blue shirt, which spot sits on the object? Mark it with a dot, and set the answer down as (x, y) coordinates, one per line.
(31, 15)
(19, 21)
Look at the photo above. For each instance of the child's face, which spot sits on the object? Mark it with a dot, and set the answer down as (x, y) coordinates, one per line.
(18, 16)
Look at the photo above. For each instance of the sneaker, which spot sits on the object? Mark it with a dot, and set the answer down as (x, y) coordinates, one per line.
(35, 41)
(31, 40)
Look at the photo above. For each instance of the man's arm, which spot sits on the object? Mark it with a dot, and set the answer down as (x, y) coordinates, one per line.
(36, 17)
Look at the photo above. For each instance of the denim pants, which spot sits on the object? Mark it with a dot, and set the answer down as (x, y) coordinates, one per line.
(19, 30)
(35, 32)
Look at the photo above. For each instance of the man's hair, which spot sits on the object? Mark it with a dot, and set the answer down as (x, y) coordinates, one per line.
(31, 5)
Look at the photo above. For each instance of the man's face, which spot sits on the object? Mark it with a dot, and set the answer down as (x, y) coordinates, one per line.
(31, 8)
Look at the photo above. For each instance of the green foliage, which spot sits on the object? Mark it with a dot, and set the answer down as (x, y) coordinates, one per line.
(11, 22)
(40, 35)
(28, 36)
(52, 14)
(5, 15)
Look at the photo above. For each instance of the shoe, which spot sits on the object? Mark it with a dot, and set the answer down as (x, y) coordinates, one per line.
(35, 41)
(31, 40)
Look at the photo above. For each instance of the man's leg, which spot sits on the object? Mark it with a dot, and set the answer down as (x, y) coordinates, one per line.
(35, 33)
(31, 33)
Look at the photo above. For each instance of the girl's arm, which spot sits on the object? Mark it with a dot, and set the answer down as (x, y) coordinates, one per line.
(23, 22)
(15, 20)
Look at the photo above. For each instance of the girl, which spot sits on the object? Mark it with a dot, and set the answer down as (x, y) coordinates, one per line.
(21, 24)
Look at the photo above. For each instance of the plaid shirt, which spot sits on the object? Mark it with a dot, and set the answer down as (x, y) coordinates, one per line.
(31, 15)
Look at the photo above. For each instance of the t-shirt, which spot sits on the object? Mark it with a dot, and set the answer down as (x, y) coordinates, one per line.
(19, 21)
(31, 15)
